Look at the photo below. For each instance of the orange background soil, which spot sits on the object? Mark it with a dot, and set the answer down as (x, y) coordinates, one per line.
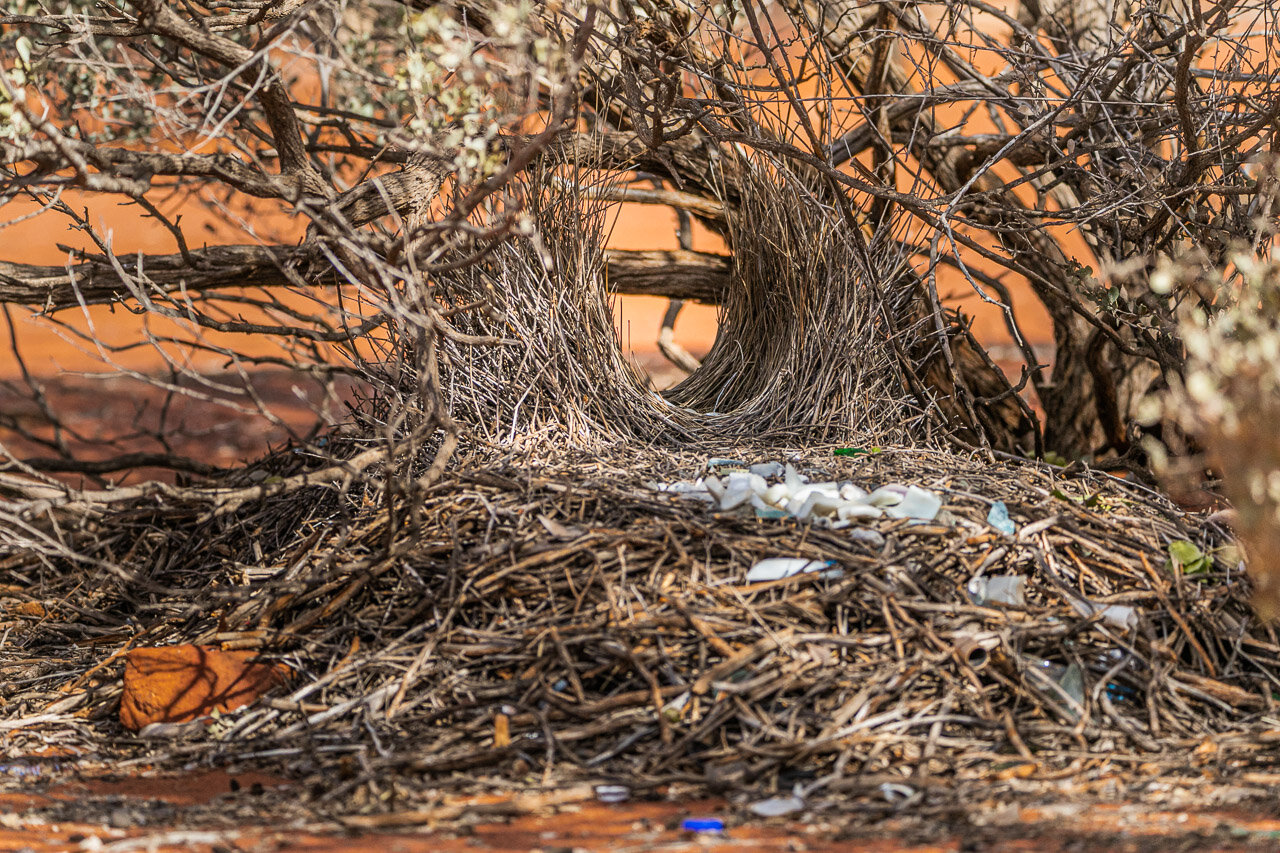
(48, 352)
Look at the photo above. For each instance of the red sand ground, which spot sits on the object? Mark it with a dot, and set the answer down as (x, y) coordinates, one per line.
(494, 825)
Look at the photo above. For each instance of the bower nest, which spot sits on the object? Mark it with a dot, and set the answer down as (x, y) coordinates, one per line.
(540, 616)
(561, 622)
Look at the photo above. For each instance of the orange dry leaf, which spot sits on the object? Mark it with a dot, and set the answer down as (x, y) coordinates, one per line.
(174, 684)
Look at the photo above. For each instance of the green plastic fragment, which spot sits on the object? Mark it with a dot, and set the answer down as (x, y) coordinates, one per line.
(855, 451)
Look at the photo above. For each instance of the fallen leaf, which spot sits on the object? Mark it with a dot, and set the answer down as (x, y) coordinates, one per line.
(174, 684)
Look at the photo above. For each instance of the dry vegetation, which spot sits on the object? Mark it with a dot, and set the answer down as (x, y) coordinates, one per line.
(475, 540)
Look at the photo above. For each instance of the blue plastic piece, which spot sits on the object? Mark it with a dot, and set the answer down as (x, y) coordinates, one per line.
(999, 519)
(702, 824)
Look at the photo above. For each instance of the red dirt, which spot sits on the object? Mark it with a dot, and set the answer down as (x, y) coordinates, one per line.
(635, 826)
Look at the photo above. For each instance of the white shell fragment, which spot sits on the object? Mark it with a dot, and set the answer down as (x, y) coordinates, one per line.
(776, 806)
(886, 495)
(697, 490)
(867, 536)
(735, 496)
(850, 492)
(777, 568)
(827, 504)
(916, 503)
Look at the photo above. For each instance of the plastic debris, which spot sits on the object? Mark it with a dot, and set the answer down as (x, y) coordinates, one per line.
(768, 469)
(673, 710)
(1121, 692)
(999, 519)
(916, 503)
(25, 769)
(777, 568)
(1120, 616)
(774, 490)
(890, 495)
(999, 589)
(973, 650)
(613, 793)
(1061, 682)
(776, 806)
(702, 824)
(696, 490)
(868, 536)
(896, 793)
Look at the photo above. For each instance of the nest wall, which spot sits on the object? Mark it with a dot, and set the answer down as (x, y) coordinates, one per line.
(799, 354)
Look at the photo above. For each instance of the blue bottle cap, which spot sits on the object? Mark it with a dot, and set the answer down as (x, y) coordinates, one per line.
(702, 824)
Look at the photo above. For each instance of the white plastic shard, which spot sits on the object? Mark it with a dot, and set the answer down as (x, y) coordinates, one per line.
(868, 536)
(1119, 616)
(735, 496)
(694, 490)
(886, 495)
(820, 503)
(851, 511)
(916, 503)
(777, 568)
(776, 494)
(745, 480)
(850, 492)
(768, 469)
(714, 486)
(999, 589)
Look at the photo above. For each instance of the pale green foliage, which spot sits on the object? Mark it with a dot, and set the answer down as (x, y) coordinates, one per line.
(1229, 402)
(1238, 349)
(13, 124)
(458, 90)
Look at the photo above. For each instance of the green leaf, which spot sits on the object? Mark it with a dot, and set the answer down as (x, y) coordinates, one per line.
(1188, 557)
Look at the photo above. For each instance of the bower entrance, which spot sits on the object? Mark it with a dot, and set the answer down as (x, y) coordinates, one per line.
(803, 348)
